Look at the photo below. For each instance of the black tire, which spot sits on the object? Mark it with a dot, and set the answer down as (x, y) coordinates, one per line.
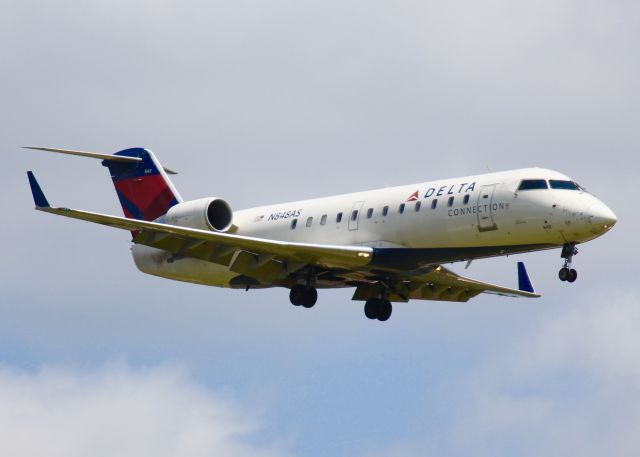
(371, 308)
(296, 295)
(563, 274)
(573, 275)
(310, 297)
(384, 310)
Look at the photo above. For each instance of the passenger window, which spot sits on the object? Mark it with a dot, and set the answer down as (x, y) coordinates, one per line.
(465, 200)
(401, 208)
(567, 185)
(354, 215)
(533, 184)
(385, 210)
(323, 219)
(450, 202)
(293, 224)
(369, 213)
(434, 203)
(339, 218)
(418, 204)
(309, 221)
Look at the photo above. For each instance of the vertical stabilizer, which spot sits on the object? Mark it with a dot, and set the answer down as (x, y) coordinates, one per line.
(143, 187)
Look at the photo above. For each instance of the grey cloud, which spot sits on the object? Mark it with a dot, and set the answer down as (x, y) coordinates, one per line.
(119, 411)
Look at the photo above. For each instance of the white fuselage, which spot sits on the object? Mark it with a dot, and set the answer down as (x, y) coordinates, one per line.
(475, 216)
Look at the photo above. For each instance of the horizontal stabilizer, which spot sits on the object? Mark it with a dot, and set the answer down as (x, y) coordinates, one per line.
(96, 155)
(38, 196)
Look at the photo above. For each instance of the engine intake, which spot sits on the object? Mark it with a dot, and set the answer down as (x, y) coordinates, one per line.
(205, 214)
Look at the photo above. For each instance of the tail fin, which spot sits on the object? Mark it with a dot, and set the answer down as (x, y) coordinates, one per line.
(143, 187)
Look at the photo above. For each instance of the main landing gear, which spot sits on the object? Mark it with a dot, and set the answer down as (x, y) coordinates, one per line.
(378, 308)
(567, 273)
(374, 308)
(303, 295)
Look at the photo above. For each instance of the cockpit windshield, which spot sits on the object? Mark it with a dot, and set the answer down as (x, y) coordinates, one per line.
(531, 184)
(534, 184)
(567, 185)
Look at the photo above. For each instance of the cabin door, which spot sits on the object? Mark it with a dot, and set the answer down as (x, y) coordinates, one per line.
(486, 222)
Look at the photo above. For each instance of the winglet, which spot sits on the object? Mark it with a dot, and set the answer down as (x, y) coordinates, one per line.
(524, 283)
(38, 196)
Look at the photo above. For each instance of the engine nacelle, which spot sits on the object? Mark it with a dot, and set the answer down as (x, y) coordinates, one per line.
(205, 213)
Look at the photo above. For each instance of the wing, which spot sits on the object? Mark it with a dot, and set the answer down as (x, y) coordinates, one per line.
(263, 259)
(443, 284)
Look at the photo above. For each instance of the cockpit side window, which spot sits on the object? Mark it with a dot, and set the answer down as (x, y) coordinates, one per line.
(567, 185)
(533, 184)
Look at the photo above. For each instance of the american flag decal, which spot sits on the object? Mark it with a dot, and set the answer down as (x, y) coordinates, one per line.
(413, 197)
(258, 218)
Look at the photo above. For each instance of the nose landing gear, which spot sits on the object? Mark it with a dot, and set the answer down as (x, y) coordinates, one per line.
(567, 273)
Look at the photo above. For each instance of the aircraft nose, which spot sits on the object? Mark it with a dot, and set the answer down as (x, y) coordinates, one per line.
(601, 217)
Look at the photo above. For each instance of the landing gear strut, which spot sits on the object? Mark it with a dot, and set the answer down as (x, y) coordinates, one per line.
(567, 273)
(303, 295)
(378, 308)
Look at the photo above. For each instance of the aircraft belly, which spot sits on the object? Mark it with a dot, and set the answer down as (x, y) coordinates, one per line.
(408, 259)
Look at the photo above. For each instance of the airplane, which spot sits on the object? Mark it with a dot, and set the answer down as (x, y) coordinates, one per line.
(389, 244)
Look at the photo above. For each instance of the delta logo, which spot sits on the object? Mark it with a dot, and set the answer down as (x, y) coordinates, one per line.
(413, 197)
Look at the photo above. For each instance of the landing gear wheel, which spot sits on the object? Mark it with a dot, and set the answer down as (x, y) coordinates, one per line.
(296, 295)
(567, 273)
(384, 312)
(376, 308)
(371, 308)
(303, 295)
(564, 273)
(310, 297)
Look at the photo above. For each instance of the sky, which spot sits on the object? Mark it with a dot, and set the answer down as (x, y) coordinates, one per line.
(258, 102)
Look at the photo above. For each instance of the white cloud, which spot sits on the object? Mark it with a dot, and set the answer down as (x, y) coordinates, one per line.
(120, 412)
(570, 387)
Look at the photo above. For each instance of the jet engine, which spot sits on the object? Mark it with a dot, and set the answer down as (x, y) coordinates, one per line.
(205, 214)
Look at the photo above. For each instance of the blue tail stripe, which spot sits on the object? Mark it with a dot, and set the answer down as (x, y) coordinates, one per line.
(121, 171)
